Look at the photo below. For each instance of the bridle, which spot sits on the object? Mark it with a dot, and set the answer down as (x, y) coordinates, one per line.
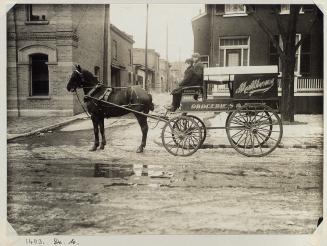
(80, 85)
(81, 75)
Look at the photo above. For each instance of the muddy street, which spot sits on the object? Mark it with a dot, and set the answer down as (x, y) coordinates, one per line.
(56, 186)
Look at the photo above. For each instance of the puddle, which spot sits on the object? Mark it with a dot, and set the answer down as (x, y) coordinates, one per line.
(133, 174)
(113, 170)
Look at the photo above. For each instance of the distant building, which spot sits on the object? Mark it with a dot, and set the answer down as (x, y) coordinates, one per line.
(153, 83)
(164, 74)
(177, 71)
(121, 57)
(44, 41)
(225, 35)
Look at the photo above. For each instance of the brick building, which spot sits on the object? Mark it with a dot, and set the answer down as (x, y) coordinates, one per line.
(153, 83)
(121, 57)
(43, 43)
(225, 35)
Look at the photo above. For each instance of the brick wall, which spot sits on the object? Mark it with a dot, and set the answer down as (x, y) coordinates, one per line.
(259, 42)
(88, 21)
(73, 34)
(123, 57)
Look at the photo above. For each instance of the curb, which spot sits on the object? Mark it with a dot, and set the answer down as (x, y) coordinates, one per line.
(280, 146)
(46, 128)
(227, 146)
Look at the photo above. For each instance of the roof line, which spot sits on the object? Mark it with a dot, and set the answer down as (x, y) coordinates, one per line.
(199, 16)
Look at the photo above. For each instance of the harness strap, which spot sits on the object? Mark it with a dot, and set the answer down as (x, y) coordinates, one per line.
(81, 104)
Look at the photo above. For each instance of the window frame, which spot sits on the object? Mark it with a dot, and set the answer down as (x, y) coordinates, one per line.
(224, 48)
(205, 61)
(230, 13)
(297, 70)
(288, 10)
(31, 82)
(130, 57)
(30, 21)
(115, 49)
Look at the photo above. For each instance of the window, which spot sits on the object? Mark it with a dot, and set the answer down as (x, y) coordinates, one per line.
(305, 56)
(36, 12)
(114, 49)
(286, 8)
(231, 9)
(130, 77)
(205, 60)
(130, 57)
(234, 51)
(39, 75)
(300, 57)
(273, 55)
(97, 72)
(219, 9)
(297, 55)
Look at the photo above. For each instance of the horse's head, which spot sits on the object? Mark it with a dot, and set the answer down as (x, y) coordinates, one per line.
(76, 79)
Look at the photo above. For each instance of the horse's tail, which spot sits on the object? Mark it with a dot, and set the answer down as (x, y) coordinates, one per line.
(151, 105)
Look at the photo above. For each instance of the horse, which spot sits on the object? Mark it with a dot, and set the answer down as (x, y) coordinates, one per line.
(133, 97)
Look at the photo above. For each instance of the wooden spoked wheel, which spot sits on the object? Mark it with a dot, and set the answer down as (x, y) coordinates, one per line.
(254, 130)
(182, 136)
(202, 126)
(180, 124)
(262, 141)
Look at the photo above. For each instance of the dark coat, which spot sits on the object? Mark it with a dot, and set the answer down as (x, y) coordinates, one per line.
(188, 74)
(193, 75)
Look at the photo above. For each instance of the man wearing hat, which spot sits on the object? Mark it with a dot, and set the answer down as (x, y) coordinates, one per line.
(193, 76)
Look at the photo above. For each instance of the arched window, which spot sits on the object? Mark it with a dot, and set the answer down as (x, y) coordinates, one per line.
(39, 75)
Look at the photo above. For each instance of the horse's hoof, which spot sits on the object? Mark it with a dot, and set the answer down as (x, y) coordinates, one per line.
(94, 148)
(139, 149)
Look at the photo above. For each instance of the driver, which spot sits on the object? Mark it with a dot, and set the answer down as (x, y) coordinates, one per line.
(193, 76)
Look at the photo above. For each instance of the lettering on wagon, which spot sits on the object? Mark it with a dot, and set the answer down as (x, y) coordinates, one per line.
(208, 106)
(256, 86)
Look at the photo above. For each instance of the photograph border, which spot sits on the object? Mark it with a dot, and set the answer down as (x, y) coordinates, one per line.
(9, 236)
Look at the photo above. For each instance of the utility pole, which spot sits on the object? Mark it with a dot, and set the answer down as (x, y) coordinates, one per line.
(167, 64)
(106, 40)
(16, 53)
(146, 49)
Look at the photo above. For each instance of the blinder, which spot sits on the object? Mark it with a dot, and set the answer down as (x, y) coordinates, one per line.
(81, 75)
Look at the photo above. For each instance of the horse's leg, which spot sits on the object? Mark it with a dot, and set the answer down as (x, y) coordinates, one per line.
(103, 136)
(142, 120)
(95, 122)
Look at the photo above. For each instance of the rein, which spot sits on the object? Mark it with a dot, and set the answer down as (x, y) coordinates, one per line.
(82, 104)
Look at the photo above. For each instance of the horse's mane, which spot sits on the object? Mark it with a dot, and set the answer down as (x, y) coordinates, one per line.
(89, 77)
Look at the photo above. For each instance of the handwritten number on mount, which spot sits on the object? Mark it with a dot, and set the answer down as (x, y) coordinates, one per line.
(73, 242)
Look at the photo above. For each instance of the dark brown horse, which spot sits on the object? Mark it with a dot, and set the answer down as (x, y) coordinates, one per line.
(137, 99)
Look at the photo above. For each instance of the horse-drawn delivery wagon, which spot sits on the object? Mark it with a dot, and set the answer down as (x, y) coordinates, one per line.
(253, 126)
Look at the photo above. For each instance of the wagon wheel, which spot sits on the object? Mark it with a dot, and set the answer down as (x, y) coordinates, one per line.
(254, 130)
(181, 136)
(202, 126)
(182, 124)
(261, 141)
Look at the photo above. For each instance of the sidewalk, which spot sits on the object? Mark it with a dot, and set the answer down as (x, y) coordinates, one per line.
(305, 132)
(25, 126)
